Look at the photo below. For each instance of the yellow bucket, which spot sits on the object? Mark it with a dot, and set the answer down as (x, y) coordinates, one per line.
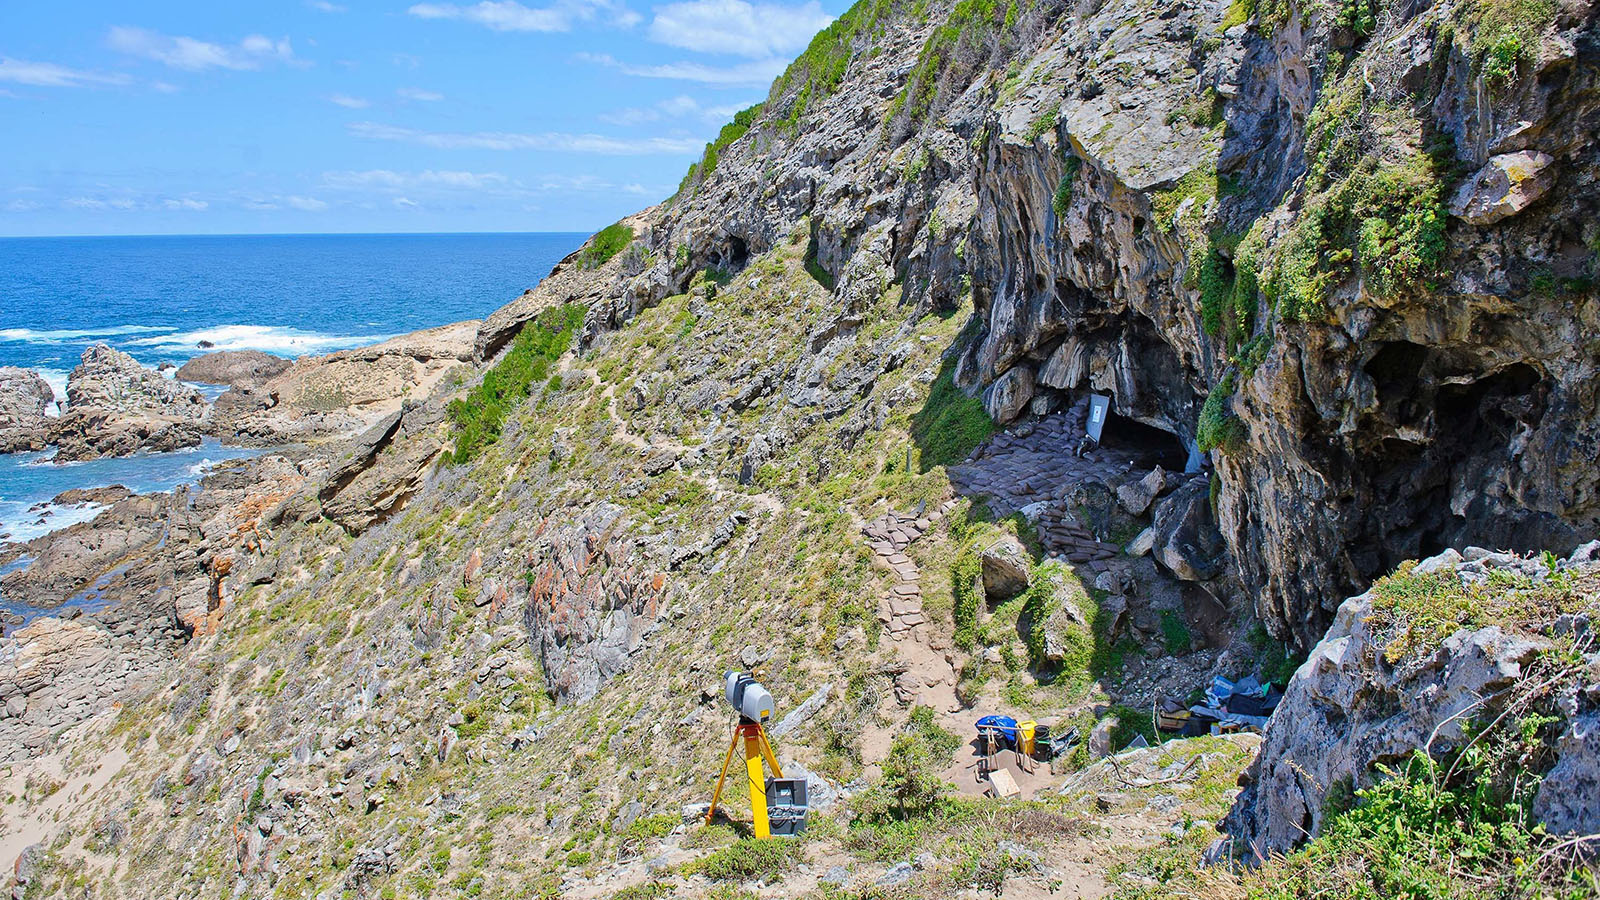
(1025, 732)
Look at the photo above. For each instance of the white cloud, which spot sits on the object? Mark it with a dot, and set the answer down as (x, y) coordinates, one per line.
(348, 102)
(405, 203)
(673, 108)
(756, 73)
(102, 203)
(738, 26)
(39, 74)
(306, 204)
(509, 15)
(385, 178)
(419, 95)
(500, 140)
(195, 55)
(505, 15)
(187, 203)
(163, 87)
(23, 206)
(325, 6)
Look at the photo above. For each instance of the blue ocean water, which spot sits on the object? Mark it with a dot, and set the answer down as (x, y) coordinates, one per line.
(162, 298)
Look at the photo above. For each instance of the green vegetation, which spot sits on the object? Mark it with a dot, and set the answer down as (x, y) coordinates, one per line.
(967, 588)
(702, 169)
(1175, 634)
(1359, 17)
(912, 772)
(1276, 661)
(1268, 15)
(817, 73)
(1455, 828)
(1069, 175)
(1218, 426)
(479, 416)
(745, 860)
(969, 40)
(1418, 610)
(950, 424)
(607, 242)
(1204, 111)
(1505, 35)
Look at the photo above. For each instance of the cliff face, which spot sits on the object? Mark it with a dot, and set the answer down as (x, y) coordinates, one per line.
(1367, 239)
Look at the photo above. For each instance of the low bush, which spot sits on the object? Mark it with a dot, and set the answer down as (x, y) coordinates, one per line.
(606, 243)
(950, 424)
(478, 417)
(749, 859)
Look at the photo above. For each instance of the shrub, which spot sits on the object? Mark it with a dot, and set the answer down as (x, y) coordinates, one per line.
(1218, 426)
(912, 772)
(950, 424)
(478, 417)
(745, 860)
(606, 243)
(1439, 829)
(1069, 175)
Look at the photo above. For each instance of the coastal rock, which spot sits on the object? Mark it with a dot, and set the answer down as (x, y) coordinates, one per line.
(57, 673)
(24, 401)
(233, 368)
(344, 392)
(110, 380)
(84, 433)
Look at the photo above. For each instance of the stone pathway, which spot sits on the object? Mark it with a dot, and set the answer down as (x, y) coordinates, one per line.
(888, 536)
(1035, 464)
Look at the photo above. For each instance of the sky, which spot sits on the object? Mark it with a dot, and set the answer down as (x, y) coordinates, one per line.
(320, 116)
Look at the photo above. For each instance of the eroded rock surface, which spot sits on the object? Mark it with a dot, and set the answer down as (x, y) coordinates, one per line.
(25, 399)
(1351, 708)
(233, 367)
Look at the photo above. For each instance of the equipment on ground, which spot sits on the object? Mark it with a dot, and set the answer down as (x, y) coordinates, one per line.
(777, 804)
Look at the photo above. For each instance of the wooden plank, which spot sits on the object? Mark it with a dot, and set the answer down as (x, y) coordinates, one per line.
(1003, 785)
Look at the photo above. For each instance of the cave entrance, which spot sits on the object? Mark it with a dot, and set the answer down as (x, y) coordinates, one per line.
(1151, 446)
(736, 255)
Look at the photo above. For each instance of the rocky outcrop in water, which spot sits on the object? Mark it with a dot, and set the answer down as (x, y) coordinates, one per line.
(234, 368)
(1362, 700)
(115, 407)
(25, 399)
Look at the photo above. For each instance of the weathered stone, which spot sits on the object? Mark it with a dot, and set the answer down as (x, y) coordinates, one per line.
(1506, 185)
(1006, 569)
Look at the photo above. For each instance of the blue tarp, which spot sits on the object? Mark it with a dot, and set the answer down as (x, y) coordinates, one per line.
(1006, 725)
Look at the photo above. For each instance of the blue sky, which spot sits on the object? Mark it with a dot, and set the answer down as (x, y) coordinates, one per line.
(314, 115)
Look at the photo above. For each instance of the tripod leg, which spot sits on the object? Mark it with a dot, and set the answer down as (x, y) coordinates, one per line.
(766, 751)
(758, 785)
(726, 762)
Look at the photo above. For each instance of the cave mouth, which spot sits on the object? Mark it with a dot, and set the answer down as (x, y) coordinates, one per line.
(736, 255)
(1408, 486)
(1152, 446)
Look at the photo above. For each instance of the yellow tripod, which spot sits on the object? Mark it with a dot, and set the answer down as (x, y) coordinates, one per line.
(756, 748)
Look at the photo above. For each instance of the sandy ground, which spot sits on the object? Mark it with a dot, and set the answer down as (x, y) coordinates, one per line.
(22, 823)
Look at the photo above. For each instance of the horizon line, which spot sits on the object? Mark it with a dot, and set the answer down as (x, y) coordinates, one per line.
(179, 234)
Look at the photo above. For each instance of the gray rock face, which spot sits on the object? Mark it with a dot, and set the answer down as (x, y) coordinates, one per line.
(1348, 710)
(24, 399)
(589, 604)
(116, 407)
(1006, 569)
(233, 367)
(1185, 536)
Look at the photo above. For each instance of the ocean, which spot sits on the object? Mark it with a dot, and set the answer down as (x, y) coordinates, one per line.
(167, 299)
